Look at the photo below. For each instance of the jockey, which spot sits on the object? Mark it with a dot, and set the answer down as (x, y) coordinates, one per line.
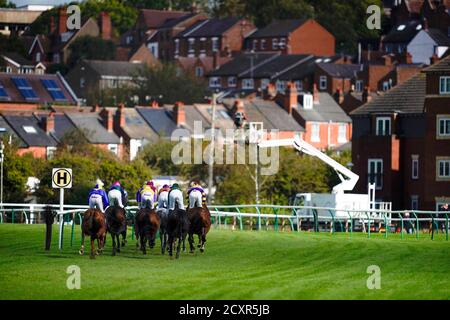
(196, 195)
(147, 196)
(138, 193)
(163, 196)
(97, 197)
(175, 197)
(116, 194)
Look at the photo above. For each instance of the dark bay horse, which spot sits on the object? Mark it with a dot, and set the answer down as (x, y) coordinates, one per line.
(163, 217)
(116, 223)
(146, 226)
(200, 223)
(177, 229)
(94, 226)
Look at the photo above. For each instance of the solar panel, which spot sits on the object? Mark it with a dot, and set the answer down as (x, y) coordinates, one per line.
(53, 89)
(25, 89)
(3, 94)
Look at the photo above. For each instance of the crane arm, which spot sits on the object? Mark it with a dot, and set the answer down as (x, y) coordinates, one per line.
(347, 177)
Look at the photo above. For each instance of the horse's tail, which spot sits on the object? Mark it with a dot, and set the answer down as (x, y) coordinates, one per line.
(92, 224)
(148, 204)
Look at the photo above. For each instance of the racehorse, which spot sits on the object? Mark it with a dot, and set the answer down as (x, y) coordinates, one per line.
(146, 226)
(94, 226)
(163, 217)
(116, 225)
(200, 223)
(177, 229)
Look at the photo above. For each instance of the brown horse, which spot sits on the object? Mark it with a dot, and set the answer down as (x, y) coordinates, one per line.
(146, 226)
(116, 224)
(200, 223)
(94, 226)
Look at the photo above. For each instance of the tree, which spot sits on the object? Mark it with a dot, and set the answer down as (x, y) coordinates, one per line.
(184, 5)
(169, 84)
(123, 15)
(88, 47)
(6, 4)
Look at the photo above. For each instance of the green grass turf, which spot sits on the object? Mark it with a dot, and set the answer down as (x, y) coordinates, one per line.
(236, 265)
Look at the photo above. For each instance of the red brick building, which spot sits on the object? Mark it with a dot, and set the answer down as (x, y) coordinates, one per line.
(401, 141)
(293, 37)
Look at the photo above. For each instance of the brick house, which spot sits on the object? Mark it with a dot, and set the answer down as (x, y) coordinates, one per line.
(332, 77)
(401, 141)
(207, 38)
(15, 63)
(292, 37)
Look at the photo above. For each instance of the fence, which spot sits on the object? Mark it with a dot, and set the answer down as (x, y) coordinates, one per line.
(272, 217)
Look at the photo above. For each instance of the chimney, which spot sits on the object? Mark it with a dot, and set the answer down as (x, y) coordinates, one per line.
(270, 92)
(52, 25)
(154, 104)
(315, 94)
(120, 115)
(366, 97)
(239, 113)
(387, 60)
(434, 59)
(179, 113)
(105, 25)
(62, 21)
(49, 123)
(425, 24)
(290, 98)
(107, 119)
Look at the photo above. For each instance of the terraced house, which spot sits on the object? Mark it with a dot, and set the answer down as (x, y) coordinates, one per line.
(401, 141)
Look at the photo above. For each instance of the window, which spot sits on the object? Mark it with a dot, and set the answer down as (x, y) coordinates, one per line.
(274, 44)
(199, 71)
(82, 82)
(38, 57)
(51, 152)
(359, 86)
(265, 83)
(215, 44)
(444, 87)
(315, 132)
(214, 82)
(56, 58)
(282, 43)
(415, 167)
(323, 83)
(443, 169)
(232, 82)
(342, 133)
(177, 47)
(281, 86)
(298, 85)
(113, 148)
(263, 44)
(255, 44)
(443, 126)
(29, 129)
(414, 202)
(375, 173)
(383, 126)
(191, 43)
(8, 69)
(202, 46)
(247, 84)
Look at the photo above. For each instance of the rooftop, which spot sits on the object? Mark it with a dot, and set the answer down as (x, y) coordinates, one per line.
(278, 28)
(209, 28)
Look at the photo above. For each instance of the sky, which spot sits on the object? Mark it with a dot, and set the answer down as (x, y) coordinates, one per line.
(46, 2)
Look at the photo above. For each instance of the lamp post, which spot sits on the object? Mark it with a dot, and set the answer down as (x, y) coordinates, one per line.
(215, 97)
(2, 157)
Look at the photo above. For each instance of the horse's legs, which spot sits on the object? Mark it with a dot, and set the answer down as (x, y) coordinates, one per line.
(170, 247)
(124, 238)
(82, 244)
(184, 242)
(161, 237)
(199, 240)
(114, 244)
(118, 242)
(92, 256)
(179, 245)
(191, 242)
(143, 244)
(202, 248)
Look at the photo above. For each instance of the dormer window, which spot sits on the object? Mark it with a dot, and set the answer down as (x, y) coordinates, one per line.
(308, 101)
(323, 83)
(383, 126)
(444, 87)
(247, 84)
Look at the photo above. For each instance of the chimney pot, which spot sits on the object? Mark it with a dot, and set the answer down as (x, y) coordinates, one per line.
(315, 94)
(290, 98)
(49, 123)
(107, 119)
(179, 113)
